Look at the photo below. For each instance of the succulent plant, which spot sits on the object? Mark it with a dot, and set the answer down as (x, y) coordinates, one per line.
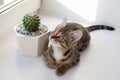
(31, 22)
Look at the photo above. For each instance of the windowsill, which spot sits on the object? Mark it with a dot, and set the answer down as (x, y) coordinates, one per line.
(96, 63)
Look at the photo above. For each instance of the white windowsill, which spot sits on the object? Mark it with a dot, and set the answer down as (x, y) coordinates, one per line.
(99, 62)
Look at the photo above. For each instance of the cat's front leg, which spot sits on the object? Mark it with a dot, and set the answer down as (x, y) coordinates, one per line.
(52, 64)
(63, 68)
(49, 60)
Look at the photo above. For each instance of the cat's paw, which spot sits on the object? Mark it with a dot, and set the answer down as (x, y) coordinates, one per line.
(52, 65)
(61, 70)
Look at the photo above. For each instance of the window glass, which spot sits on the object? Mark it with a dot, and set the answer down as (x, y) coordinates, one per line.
(6, 4)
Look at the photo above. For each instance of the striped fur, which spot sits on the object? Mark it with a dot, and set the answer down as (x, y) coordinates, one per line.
(98, 27)
(69, 50)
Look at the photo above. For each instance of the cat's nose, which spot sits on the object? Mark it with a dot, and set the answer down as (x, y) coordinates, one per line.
(52, 37)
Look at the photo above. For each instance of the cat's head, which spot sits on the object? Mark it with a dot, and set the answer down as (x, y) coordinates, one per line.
(64, 40)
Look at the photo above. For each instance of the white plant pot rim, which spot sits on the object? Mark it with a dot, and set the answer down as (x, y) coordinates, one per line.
(19, 34)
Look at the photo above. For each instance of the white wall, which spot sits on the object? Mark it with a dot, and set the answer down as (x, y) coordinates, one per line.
(107, 11)
(53, 6)
(14, 15)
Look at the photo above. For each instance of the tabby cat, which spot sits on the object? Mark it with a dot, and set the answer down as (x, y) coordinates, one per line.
(66, 43)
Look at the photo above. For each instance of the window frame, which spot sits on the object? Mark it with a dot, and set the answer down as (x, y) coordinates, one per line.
(9, 5)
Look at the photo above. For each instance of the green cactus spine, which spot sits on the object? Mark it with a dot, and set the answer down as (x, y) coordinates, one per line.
(31, 22)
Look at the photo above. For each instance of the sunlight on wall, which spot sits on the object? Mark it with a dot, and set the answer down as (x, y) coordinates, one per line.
(84, 8)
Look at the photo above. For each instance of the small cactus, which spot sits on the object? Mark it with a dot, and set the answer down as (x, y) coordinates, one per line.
(31, 22)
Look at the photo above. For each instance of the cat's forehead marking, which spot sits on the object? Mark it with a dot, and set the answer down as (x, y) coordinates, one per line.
(54, 33)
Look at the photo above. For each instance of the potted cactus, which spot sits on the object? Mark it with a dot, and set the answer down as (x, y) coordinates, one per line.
(31, 35)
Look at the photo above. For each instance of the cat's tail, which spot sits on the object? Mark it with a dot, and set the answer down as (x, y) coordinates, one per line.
(98, 27)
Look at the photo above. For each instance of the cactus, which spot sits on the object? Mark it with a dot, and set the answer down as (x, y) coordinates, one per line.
(31, 22)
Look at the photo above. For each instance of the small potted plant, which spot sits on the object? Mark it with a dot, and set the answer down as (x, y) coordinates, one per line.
(32, 36)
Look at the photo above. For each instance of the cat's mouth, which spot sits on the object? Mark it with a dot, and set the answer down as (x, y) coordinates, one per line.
(53, 41)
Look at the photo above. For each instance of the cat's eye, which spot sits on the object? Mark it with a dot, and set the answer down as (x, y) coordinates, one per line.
(58, 37)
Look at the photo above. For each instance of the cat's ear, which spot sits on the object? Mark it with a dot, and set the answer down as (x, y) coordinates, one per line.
(62, 24)
(76, 35)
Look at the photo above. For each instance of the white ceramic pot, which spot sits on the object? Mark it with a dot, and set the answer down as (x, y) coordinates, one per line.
(30, 45)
